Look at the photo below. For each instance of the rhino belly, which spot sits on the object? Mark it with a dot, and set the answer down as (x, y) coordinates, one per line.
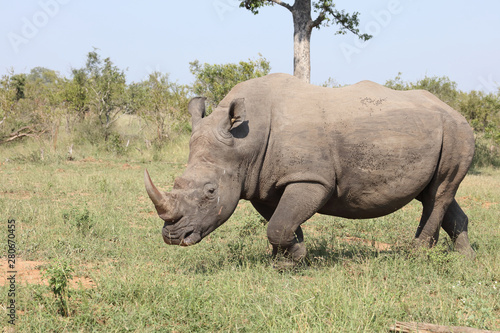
(378, 176)
(362, 202)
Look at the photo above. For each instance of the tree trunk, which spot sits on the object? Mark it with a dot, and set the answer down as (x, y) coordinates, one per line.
(302, 24)
(55, 132)
(68, 127)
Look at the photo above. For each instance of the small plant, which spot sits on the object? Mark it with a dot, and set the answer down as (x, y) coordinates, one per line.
(59, 275)
(80, 219)
(251, 223)
(104, 186)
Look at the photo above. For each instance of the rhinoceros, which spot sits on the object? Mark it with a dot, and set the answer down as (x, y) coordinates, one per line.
(294, 149)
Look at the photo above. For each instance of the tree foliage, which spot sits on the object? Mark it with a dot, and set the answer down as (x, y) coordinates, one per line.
(483, 112)
(7, 98)
(161, 103)
(215, 81)
(76, 94)
(445, 89)
(19, 85)
(105, 89)
(327, 14)
(30, 103)
(92, 99)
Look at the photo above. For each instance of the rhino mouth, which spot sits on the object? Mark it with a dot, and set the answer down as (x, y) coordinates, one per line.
(180, 237)
(190, 238)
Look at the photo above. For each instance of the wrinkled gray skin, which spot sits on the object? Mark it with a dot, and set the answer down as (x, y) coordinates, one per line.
(295, 149)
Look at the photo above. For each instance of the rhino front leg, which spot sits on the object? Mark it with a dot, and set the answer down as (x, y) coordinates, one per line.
(298, 203)
(266, 211)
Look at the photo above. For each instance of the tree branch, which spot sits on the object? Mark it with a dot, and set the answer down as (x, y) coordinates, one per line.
(28, 131)
(254, 5)
(348, 22)
(281, 3)
(321, 17)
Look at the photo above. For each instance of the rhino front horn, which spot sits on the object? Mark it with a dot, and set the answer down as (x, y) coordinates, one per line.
(153, 192)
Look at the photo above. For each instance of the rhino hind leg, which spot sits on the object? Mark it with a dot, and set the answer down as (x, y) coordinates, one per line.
(455, 223)
(438, 198)
(435, 198)
(433, 212)
(438, 207)
(284, 231)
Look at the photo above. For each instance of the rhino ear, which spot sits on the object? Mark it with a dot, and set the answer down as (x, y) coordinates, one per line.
(196, 108)
(236, 114)
(235, 117)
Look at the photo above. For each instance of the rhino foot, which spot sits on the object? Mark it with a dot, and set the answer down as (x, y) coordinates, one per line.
(297, 252)
(463, 247)
(291, 258)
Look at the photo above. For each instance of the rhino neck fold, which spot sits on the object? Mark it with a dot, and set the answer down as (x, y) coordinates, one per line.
(252, 179)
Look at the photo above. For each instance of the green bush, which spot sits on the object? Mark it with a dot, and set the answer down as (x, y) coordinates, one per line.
(115, 144)
(487, 152)
(88, 131)
(215, 81)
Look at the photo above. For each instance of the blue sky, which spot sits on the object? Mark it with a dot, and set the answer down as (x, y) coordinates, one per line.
(458, 39)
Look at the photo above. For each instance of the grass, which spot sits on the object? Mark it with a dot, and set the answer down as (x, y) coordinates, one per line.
(93, 214)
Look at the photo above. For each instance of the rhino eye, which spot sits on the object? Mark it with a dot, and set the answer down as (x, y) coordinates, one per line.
(209, 190)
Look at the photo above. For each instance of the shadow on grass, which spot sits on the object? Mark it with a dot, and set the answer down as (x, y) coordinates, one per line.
(239, 255)
(323, 252)
(222, 263)
(475, 171)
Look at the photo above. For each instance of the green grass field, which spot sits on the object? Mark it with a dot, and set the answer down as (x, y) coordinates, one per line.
(92, 215)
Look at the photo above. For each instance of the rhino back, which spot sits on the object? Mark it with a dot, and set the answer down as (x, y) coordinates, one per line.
(369, 144)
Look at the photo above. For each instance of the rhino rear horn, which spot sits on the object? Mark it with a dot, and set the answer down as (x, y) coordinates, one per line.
(196, 108)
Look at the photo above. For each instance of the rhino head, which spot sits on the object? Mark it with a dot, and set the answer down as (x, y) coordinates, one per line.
(207, 193)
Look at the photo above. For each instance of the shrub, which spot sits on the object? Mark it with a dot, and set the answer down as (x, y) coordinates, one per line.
(59, 275)
(215, 81)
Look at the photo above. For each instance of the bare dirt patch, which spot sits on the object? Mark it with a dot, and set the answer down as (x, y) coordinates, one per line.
(145, 214)
(487, 204)
(378, 245)
(128, 166)
(18, 195)
(469, 201)
(89, 159)
(30, 272)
